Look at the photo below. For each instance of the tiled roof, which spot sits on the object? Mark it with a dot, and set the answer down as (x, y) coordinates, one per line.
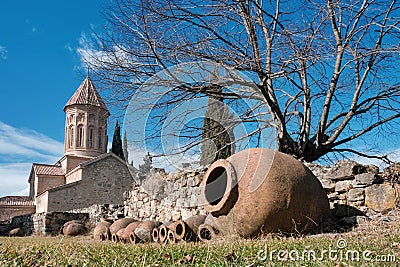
(16, 200)
(86, 94)
(43, 169)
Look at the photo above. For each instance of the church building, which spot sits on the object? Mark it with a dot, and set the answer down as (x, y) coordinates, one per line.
(86, 174)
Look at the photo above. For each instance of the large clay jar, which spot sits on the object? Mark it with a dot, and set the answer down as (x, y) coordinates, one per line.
(260, 191)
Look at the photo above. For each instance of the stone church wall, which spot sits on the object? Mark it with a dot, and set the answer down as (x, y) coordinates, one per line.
(73, 176)
(41, 202)
(47, 182)
(103, 181)
(9, 211)
(70, 162)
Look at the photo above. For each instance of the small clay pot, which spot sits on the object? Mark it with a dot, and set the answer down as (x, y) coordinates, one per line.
(119, 236)
(206, 233)
(102, 231)
(16, 232)
(171, 237)
(155, 235)
(121, 223)
(144, 230)
(163, 232)
(74, 229)
(68, 223)
(187, 230)
(130, 229)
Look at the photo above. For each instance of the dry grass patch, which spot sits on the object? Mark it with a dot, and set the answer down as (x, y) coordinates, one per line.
(375, 240)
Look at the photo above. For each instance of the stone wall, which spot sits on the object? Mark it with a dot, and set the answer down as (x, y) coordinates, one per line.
(51, 223)
(24, 222)
(349, 184)
(165, 197)
(11, 206)
(41, 223)
(352, 190)
(102, 211)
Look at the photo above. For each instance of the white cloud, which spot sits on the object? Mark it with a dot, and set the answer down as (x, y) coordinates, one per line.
(393, 155)
(68, 47)
(136, 156)
(14, 178)
(32, 25)
(28, 143)
(171, 163)
(19, 148)
(3, 52)
(88, 54)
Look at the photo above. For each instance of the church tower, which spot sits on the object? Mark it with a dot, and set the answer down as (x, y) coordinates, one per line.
(86, 122)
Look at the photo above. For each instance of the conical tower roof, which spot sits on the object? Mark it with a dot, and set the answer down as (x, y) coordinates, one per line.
(87, 94)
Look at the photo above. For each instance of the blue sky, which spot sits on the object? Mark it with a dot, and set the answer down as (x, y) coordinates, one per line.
(40, 69)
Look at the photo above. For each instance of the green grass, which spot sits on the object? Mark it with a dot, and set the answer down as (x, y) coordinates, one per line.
(377, 239)
(82, 251)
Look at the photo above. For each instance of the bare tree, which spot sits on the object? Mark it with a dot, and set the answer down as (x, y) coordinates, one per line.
(326, 70)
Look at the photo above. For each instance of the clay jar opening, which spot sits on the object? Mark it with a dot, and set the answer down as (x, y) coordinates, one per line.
(217, 186)
(205, 234)
(179, 229)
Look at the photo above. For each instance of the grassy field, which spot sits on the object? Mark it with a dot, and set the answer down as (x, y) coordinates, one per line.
(374, 243)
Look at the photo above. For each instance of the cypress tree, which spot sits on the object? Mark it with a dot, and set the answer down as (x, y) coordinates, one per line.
(217, 141)
(116, 147)
(125, 147)
(147, 166)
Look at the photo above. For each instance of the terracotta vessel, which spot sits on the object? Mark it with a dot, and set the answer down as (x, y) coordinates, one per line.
(68, 223)
(130, 229)
(163, 232)
(144, 230)
(187, 229)
(16, 232)
(259, 191)
(102, 231)
(171, 237)
(155, 235)
(119, 236)
(206, 232)
(119, 224)
(74, 229)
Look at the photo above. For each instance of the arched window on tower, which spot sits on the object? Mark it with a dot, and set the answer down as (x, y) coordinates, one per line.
(80, 136)
(99, 138)
(71, 136)
(91, 137)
